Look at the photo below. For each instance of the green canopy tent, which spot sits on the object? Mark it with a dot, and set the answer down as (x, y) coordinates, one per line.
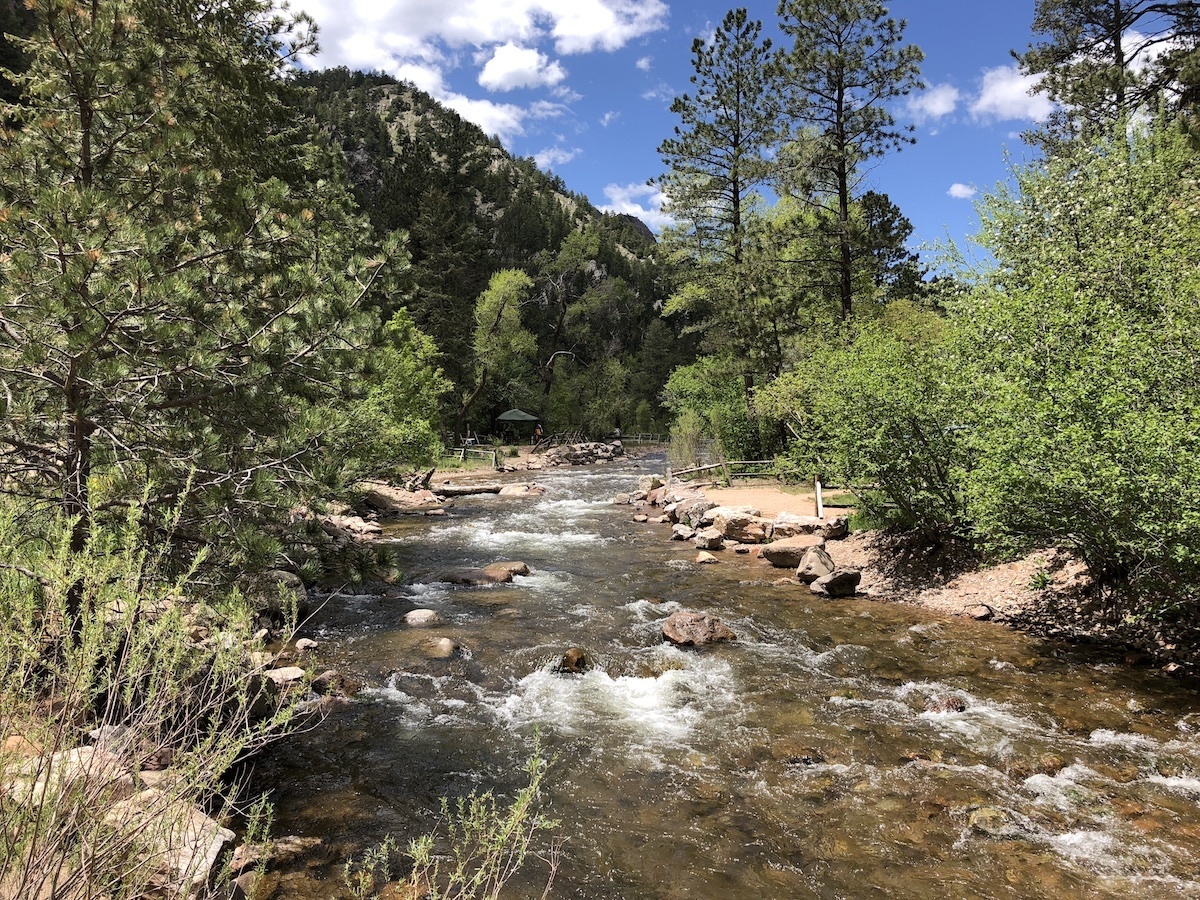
(517, 421)
(516, 415)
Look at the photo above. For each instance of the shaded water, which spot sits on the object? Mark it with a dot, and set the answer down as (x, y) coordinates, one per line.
(800, 762)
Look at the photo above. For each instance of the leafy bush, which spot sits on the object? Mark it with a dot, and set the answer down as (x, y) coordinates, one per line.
(482, 846)
(1083, 361)
(878, 411)
(79, 819)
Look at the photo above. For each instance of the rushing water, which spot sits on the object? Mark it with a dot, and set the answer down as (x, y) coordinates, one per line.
(808, 759)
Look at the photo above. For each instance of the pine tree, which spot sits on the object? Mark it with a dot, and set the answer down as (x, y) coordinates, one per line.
(1102, 61)
(847, 62)
(719, 159)
(180, 287)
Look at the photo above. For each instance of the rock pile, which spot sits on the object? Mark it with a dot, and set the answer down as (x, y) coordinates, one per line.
(787, 541)
(583, 454)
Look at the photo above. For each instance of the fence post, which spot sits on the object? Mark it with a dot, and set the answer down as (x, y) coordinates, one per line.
(820, 502)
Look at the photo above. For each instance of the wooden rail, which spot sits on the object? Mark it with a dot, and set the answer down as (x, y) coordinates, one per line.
(465, 453)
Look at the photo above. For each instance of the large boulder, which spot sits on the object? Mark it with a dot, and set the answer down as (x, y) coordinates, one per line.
(814, 563)
(788, 525)
(691, 512)
(788, 553)
(742, 527)
(714, 512)
(709, 539)
(693, 629)
(180, 843)
(840, 583)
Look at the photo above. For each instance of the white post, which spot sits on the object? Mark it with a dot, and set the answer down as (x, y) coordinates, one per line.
(820, 502)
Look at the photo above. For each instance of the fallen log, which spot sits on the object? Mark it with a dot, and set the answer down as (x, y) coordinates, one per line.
(463, 490)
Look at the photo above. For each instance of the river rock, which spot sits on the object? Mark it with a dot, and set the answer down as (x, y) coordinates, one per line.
(650, 483)
(504, 572)
(440, 648)
(179, 842)
(945, 703)
(496, 573)
(305, 644)
(522, 490)
(836, 528)
(693, 629)
(90, 771)
(333, 682)
(840, 583)
(789, 525)
(814, 563)
(641, 518)
(285, 675)
(622, 499)
(710, 515)
(745, 528)
(993, 822)
(787, 553)
(423, 618)
(691, 512)
(682, 532)
(705, 558)
(574, 662)
(709, 539)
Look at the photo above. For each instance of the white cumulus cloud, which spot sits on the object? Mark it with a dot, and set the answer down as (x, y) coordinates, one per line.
(426, 41)
(934, 103)
(645, 201)
(645, 63)
(1006, 94)
(555, 156)
(960, 191)
(505, 120)
(512, 67)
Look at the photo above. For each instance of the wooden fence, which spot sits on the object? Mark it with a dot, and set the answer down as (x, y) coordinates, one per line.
(465, 453)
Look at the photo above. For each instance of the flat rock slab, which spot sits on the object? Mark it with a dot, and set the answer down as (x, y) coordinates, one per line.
(496, 573)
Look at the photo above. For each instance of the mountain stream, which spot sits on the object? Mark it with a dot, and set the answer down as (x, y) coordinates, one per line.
(837, 749)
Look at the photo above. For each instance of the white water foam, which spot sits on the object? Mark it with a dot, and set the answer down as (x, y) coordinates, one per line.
(658, 710)
(484, 535)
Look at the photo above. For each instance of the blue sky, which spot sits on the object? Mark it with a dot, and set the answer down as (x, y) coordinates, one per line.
(585, 87)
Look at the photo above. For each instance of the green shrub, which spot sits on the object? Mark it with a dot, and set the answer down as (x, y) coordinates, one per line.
(1081, 384)
(125, 665)
(878, 411)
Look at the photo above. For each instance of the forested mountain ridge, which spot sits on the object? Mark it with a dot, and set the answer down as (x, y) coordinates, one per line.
(470, 210)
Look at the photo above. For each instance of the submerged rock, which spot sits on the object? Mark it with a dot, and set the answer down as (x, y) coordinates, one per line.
(574, 662)
(693, 629)
(705, 558)
(441, 648)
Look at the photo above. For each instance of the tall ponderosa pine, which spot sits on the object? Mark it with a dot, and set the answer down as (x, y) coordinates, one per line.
(179, 288)
(717, 161)
(1104, 60)
(847, 63)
